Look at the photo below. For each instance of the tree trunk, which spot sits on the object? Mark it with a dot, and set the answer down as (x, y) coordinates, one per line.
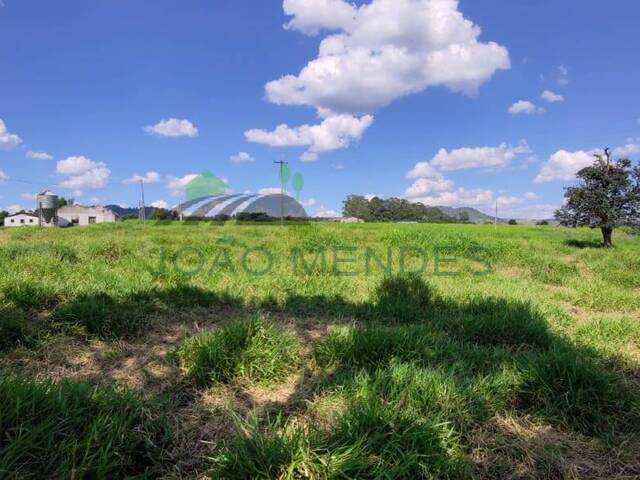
(607, 236)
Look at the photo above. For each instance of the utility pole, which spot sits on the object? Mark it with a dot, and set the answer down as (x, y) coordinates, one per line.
(143, 213)
(282, 163)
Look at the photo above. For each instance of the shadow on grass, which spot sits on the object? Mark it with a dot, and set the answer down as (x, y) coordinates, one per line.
(413, 376)
(582, 244)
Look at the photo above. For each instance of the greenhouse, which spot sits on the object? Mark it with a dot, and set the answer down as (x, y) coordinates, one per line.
(272, 205)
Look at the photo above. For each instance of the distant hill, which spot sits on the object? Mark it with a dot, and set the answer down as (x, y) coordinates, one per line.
(475, 216)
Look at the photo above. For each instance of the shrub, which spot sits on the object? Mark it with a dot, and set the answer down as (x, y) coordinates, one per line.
(251, 349)
(74, 430)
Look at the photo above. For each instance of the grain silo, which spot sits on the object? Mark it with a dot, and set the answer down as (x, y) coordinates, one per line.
(47, 209)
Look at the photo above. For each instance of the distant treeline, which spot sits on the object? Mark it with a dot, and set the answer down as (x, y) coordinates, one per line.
(395, 210)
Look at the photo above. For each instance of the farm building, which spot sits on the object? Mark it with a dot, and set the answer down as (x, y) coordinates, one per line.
(82, 216)
(21, 220)
(236, 204)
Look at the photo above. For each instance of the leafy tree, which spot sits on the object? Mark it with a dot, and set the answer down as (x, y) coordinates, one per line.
(607, 196)
(393, 210)
(3, 214)
(513, 221)
(542, 223)
(158, 214)
(65, 202)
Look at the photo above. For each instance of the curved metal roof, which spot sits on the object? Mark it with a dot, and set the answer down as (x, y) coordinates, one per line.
(232, 205)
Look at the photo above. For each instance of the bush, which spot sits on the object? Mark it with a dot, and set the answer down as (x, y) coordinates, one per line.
(251, 349)
(513, 222)
(74, 430)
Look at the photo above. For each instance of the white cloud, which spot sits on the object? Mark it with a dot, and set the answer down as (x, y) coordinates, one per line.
(33, 155)
(177, 185)
(3, 177)
(271, 191)
(384, 50)
(564, 165)
(28, 196)
(631, 148)
(8, 140)
(77, 193)
(563, 75)
(524, 107)
(458, 198)
(160, 204)
(149, 177)
(532, 212)
(474, 157)
(308, 203)
(506, 201)
(83, 173)
(241, 157)
(428, 186)
(551, 97)
(323, 212)
(14, 209)
(332, 134)
(531, 196)
(172, 127)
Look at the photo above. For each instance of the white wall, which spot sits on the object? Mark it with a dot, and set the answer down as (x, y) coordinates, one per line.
(21, 221)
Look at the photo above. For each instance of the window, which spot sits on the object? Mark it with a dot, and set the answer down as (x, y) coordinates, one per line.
(13, 220)
(31, 220)
(92, 220)
(22, 220)
(75, 220)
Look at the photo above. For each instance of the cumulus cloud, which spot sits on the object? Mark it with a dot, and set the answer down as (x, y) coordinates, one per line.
(564, 165)
(551, 97)
(14, 209)
(8, 141)
(333, 133)
(33, 155)
(563, 75)
(149, 177)
(83, 173)
(3, 177)
(630, 149)
(323, 212)
(524, 107)
(384, 50)
(308, 203)
(172, 127)
(160, 204)
(474, 157)
(177, 185)
(531, 196)
(271, 191)
(241, 157)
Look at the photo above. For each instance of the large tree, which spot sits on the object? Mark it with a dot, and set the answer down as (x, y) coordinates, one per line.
(607, 196)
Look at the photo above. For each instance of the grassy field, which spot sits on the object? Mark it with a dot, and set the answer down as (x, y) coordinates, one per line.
(318, 351)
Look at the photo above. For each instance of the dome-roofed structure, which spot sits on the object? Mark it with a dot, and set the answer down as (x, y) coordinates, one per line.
(232, 205)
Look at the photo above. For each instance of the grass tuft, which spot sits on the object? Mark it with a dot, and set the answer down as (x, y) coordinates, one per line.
(14, 329)
(74, 430)
(251, 349)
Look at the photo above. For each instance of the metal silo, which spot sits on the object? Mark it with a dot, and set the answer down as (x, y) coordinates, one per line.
(47, 203)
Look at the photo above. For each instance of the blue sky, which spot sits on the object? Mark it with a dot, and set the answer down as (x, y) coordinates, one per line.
(433, 100)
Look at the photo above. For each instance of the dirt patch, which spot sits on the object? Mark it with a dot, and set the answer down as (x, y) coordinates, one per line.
(511, 447)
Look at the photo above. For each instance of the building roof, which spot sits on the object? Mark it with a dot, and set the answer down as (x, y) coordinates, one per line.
(235, 204)
(27, 214)
(71, 209)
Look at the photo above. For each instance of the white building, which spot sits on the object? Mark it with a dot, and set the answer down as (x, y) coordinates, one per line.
(79, 215)
(21, 220)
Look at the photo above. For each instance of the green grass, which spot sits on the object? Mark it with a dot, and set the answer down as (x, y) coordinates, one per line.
(74, 430)
(253, 349)
(398, 369)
